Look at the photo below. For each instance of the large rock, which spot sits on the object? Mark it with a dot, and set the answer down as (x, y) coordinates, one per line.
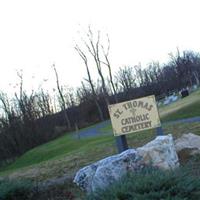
(188, 142)
(108, 170)
(158, 153)
(161, 153)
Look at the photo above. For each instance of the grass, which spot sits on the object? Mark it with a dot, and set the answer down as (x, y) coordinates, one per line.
(151, 184)
(66, 146)
(59, 149)
(45, 162)
(67, 154)
(15, 189)
(184, 108)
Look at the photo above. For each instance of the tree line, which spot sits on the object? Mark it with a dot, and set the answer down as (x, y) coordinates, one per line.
(28, 120)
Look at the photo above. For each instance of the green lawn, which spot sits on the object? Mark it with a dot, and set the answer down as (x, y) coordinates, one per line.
(67, 154)
(184, 108)
(55, 150)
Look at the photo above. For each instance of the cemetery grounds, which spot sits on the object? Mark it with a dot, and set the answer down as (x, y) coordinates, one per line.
(56, 162)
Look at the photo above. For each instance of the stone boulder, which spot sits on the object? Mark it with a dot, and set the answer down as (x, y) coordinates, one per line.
(159, 153)
(108, 170)
(188, 144)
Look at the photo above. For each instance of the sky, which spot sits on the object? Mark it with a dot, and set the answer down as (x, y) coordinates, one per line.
(35, 34)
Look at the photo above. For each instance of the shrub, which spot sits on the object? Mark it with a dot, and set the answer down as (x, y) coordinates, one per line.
(15, 189)
(152, 185)
(63, 191)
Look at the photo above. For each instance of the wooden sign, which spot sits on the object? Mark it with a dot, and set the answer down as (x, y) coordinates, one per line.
(135, 115)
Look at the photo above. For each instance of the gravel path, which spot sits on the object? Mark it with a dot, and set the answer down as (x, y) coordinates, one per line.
(96, 130)
(93, 131)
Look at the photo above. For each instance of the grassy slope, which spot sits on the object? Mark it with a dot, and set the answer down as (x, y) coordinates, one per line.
(65, 155)
(62, 151)
(184, 108)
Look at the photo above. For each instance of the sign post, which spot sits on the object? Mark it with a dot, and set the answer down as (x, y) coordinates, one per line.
(122, 144)
(159, 131)
(133, 116)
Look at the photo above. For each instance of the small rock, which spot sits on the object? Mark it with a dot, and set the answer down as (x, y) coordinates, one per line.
(188, 141)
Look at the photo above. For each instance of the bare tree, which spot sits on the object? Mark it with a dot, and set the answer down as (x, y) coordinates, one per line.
(94, 46)
(62, 99)
(107, 63)
(44, 103)
(85, 60)
(126, 78)
(186, 65)
(84, 93)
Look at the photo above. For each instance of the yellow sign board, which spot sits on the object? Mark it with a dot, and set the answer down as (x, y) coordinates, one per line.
(135, 115)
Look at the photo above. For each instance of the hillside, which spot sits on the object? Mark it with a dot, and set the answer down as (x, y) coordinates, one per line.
(65, 155)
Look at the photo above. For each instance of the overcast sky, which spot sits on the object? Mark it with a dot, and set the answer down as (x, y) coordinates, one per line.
(34, 34)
